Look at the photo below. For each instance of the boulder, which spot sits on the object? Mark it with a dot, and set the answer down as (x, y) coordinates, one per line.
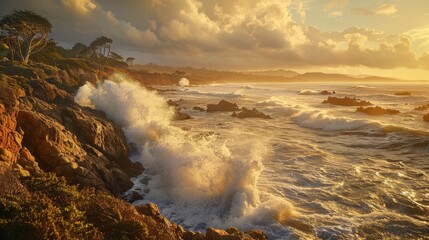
(426, 118)
(247, 113)
(222, 106)
(346, 101)
(171, 103)
(377, 110)
(181, 116)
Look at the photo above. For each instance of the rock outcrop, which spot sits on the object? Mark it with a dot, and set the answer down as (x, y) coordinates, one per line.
(377, 110)
(247, 113)
(44, 130)
(346, 101)
(222, 106)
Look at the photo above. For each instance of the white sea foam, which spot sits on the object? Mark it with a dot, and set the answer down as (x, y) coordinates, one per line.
(197, 181)
(308, 92)
(184, 82)
(310, 117)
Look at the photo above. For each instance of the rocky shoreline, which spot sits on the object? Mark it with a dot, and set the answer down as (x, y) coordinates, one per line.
(44, 131)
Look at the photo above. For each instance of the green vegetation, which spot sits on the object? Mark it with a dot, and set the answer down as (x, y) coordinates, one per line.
(25, 33)
(48, 208)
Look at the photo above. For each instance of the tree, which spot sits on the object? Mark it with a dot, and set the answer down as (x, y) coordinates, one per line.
(130, 61)
(116, 56)
(25, 33)
(101, 47)
(77, 49)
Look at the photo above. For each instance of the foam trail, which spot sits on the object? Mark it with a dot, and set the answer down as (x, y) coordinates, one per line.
(196, 180)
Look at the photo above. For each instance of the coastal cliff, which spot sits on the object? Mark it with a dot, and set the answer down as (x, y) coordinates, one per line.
(44, 132)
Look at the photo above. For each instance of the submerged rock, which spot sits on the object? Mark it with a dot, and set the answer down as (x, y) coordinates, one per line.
(326, 92)
(247, 113)
(377, 110)
(222, 106)
(346, 101)
(198, 109)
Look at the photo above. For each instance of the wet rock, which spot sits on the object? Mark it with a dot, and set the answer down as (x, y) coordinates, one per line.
(171, 103)
(422, 108)
(346, 101)
(198, 109)
(133, 197)
(326, 92)
(377, 110)
(222, 106)
(247, 113)
(402, 93)
(181, 116)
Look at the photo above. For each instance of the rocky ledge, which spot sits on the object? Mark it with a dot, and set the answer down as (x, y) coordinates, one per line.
(346, 101)
(377, 110)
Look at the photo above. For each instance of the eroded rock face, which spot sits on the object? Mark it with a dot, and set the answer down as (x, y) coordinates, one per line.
(10, 138)
(222, 106)
(82, 146)
(42, 129)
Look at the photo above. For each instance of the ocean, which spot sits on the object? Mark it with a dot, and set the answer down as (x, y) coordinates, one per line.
(313, 171)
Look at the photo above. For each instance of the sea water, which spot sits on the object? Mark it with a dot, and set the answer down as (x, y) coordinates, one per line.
(313, 171)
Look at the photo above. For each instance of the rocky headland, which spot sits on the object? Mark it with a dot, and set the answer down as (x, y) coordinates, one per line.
(58, 156)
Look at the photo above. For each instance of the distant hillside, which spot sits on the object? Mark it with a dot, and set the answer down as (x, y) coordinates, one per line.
(275, 73)
(204, 76)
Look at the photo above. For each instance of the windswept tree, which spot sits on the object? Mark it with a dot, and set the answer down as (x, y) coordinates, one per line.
(101, 47)
(116, 56)
(26, 33)
(130, 61)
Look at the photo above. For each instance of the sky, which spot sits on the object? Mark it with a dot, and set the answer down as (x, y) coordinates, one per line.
(359, 37)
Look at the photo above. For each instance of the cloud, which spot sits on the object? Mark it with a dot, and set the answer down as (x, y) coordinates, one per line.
(382, 9)
(420, 35)
(335, 7)
(80, 6)
(225, 33)
(335, 4)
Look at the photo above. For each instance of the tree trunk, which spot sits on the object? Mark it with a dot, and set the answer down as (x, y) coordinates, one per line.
(26, 53)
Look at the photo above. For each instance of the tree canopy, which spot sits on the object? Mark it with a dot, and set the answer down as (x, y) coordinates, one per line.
(25, 33)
